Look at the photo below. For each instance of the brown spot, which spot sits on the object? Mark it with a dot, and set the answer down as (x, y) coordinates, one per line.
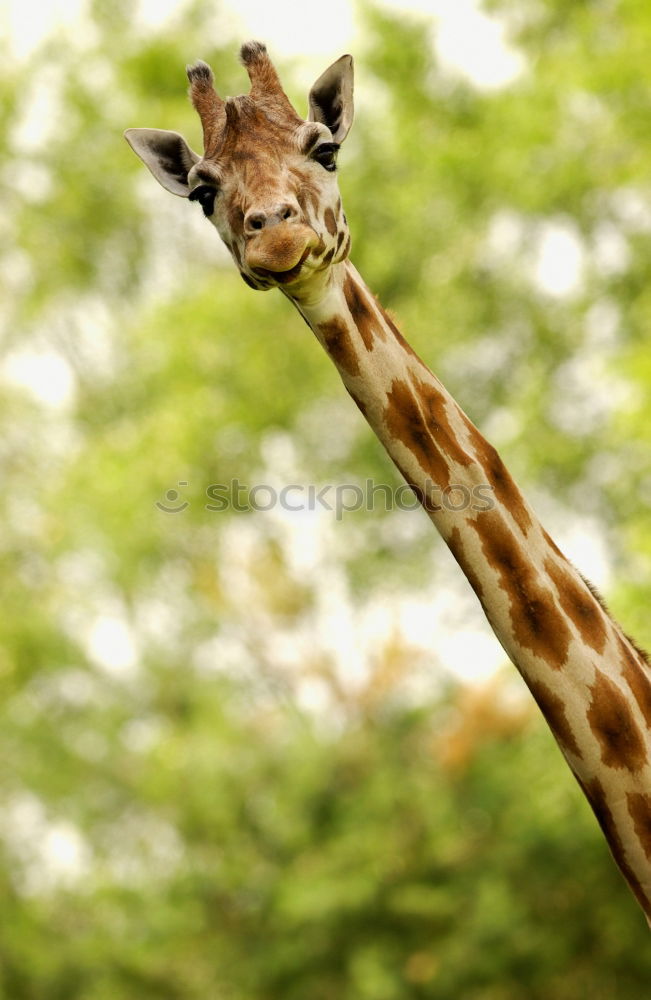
(434, 403)
(597, 798)
(536, 621)
(553, 708)
(612, 722)
(341, 254)
(363, 316)
(408, 423)
(418, 418)
(330, 221)
(456, 546)
(338, 208)
(580, 605)
(339, 345)
(341, 238)
(328, 257)
(639, 807)
(636, 674)
(302, 199)
(499, 478)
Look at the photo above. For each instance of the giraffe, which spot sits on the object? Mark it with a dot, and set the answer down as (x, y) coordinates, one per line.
(267, 182)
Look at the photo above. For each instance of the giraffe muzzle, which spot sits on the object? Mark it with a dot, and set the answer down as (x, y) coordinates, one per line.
(280, 251)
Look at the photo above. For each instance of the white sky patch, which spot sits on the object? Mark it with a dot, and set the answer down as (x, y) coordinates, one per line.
(141, 734)
(64, 851)
(154, 13)
(45, 374)
(41, 116)
(631, 207)
(558, 259)
(584, 545)
(53, 852)
(505, 235)
(612, 253)
(447, 622)
(27, 23)
(16, 274)
(471, 656)
(314, 696)
(305, 29)
(603, 325)
(33, 181)
(474, 44)
(585, 393)
(110, 643)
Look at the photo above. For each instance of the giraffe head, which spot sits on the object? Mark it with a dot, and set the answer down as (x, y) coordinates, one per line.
(267, 178)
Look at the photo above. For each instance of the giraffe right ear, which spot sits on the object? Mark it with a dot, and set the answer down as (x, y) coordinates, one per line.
(167, 155)
(331, 98)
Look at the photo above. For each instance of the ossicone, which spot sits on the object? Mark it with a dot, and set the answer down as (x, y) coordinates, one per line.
(265, 82)
(207, 103)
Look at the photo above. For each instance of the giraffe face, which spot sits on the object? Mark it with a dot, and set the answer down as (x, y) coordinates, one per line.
(267, 180)
(272, 194)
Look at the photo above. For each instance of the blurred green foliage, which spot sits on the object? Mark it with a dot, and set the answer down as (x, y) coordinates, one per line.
(184, 814)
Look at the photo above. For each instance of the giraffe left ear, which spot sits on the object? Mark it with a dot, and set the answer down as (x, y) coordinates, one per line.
(167, 155)
(331, 98)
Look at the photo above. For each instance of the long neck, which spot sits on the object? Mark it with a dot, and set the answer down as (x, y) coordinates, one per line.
(591, 683)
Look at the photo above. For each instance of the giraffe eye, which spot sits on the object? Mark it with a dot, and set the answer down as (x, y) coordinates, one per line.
(205, 194)
(326, 155)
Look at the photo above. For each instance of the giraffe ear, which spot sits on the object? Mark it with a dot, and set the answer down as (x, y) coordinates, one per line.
(167, 155)
(331, 98)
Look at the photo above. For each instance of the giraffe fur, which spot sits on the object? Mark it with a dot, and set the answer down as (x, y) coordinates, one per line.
(267, 182)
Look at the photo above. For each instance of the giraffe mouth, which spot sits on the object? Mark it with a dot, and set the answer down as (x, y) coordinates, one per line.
(279, 253)
(284, 277)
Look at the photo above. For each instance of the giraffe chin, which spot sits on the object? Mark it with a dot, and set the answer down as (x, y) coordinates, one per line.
(280, 252)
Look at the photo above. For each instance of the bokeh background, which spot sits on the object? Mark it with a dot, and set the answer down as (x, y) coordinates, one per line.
(263, 755)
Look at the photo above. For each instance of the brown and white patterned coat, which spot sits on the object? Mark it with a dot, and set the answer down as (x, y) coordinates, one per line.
(267, 182)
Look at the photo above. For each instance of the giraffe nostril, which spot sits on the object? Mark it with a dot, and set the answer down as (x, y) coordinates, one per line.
(255, 220)
(258, 219)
